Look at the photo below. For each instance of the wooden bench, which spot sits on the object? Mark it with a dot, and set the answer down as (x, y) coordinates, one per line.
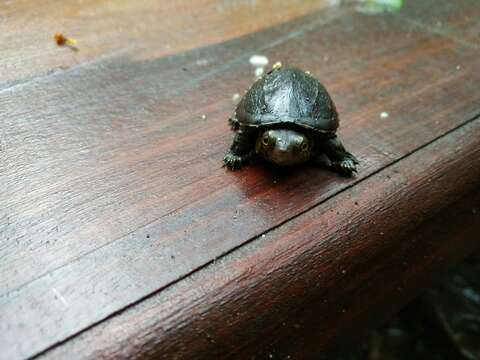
(121, 235)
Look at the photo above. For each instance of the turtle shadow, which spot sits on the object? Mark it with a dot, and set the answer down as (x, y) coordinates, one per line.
(279, 191)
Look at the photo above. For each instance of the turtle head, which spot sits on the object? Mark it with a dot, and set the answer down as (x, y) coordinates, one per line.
(284, 146)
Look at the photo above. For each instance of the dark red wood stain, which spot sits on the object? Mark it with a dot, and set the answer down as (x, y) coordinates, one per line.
(321, 278)
(113, 190)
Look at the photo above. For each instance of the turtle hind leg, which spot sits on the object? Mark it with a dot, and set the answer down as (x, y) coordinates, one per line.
(234, 123)
(242, 149)
(341, 160)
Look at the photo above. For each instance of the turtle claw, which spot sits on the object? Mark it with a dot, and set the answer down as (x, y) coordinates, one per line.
(354, 159)
(234, 124)
(347, 166)
(232, 161)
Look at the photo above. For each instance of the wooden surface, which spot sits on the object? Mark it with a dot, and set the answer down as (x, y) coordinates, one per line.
(122, 235)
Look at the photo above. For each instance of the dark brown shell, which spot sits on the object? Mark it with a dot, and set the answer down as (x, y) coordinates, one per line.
(288, 95)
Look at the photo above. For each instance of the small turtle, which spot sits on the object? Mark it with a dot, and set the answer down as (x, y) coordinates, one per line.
(287, 117)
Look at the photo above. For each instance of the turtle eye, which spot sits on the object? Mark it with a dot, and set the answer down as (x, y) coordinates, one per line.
(265, 140)
(304, 146)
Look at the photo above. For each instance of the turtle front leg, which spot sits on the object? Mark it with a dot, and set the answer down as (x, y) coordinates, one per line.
(233, 121)
(242, 148)
(341, 160)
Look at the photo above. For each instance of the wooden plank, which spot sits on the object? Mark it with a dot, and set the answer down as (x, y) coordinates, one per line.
(455, 20)
(121, 193)
(130, 124)
(143, 29)
(314, 281)
(72, 132)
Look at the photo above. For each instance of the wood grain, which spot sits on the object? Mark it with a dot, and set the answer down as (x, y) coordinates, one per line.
(112, 181)
(312, 283)
(455, 20)
(141, 29)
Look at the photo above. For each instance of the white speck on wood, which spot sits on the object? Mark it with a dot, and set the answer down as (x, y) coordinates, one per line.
(258, 60)
(384, 114)
(201, 62)
(60, 297)
(259, 71)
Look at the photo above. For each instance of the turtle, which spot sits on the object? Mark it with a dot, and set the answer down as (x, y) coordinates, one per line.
(287, 117)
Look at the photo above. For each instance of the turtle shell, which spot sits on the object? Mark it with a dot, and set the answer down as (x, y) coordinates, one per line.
(288, 95)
